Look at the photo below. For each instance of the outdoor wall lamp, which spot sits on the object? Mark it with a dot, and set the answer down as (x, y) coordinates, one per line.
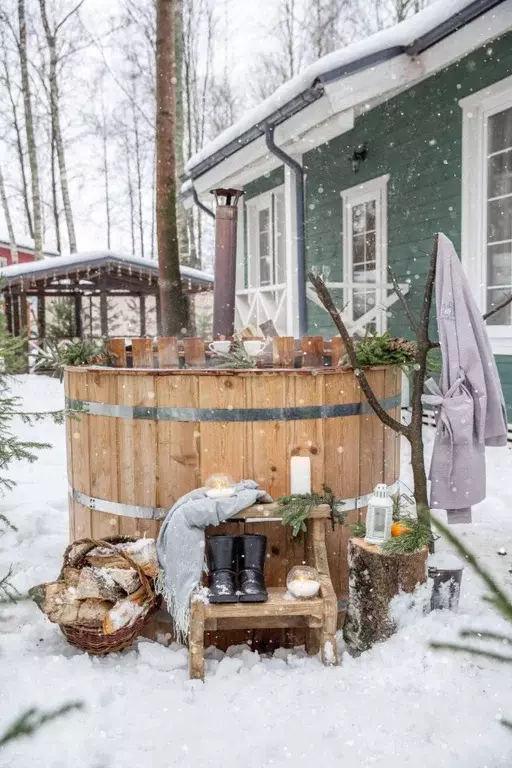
(359, 155)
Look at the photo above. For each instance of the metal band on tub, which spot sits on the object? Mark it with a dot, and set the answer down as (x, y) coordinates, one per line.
(169, 413)
(158, 513)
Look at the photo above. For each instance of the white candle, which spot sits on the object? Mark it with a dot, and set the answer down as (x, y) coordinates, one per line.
(304, 588)
(220, 493)
(300, 474)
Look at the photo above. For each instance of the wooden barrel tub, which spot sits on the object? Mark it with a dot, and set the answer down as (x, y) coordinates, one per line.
(146, 436)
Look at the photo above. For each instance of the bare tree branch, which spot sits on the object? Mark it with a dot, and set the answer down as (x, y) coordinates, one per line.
(326, 299)
(506, 301)
(413, 323)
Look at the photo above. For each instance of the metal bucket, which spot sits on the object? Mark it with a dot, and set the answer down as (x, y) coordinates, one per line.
(445, 588)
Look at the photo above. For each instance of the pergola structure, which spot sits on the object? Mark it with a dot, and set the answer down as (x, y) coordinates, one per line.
(100, 274)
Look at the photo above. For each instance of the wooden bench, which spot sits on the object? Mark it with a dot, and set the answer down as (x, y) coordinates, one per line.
(317, 615)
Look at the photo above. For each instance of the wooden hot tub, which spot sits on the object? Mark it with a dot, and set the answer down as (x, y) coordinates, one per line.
(146, 436)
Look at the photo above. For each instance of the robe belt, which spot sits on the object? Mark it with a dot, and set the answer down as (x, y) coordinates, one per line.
(446, 424)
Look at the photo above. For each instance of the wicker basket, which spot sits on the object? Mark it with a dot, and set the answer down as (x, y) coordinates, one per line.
(94, 641)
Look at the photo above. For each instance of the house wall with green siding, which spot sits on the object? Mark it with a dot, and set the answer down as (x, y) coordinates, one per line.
(416, 138)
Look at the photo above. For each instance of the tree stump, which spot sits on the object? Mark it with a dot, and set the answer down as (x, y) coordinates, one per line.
(375, 578)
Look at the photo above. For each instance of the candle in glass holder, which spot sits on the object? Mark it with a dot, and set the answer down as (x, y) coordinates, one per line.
(219, 487)
(302, 581)
(300, 474)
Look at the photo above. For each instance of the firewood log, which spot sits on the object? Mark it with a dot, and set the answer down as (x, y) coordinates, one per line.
(128, 579)
(97, 582)
(57, 601)
(124, 612)
(92, 612)
(143, 552)
(71, 576)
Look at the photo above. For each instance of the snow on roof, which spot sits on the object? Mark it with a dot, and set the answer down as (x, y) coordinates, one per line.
(58, 263)
(400, 35)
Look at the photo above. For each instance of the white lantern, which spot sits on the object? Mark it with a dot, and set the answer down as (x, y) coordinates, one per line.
(380, 516)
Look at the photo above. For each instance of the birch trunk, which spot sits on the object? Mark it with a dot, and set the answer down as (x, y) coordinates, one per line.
(55, 197)
(8, 220)
(172, 304)
(51, 41)
(29, 126)
(19, 147)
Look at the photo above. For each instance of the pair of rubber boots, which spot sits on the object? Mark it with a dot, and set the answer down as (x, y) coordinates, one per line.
(236, 566)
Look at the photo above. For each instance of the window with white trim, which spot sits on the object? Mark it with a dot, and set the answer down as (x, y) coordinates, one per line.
(487, 204)
(266, 239)
(365, 252)
(3, 261)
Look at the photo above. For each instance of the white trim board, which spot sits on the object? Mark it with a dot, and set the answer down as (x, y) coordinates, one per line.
(476, 109)
(374, 189)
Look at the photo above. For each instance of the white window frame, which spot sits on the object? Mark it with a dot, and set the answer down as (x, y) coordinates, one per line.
(3, 261)
(476, 110)
(254, 206)
(374, 189)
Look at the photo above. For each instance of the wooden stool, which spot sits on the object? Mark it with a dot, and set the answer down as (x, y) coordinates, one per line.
(318, 615)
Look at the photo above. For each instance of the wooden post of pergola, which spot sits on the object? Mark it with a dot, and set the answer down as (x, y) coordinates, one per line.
(103, 309)
(41, 316)
(78, 315)
(15, 315)
(8, 313)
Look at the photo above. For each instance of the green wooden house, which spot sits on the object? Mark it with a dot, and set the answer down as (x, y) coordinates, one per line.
(355, 164)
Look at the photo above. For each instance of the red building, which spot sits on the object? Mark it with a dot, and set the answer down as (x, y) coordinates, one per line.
(25, 253)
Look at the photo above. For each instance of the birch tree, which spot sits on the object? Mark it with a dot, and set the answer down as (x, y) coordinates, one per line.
(30, 132)
(51, 35)
(8, 220)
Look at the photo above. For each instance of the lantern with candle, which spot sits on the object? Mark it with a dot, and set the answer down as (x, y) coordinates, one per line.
(303, 581)
(220, 486)
(380, 516)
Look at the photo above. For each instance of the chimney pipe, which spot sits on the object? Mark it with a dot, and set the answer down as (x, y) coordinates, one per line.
(226, 217)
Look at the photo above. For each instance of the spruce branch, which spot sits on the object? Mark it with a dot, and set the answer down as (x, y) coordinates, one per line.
(31, 721)
(326, 299)
(471, 649)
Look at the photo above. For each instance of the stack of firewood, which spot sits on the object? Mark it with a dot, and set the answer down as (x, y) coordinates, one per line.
(104, 592)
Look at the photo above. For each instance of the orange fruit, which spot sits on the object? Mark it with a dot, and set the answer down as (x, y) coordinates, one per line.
(398, 528)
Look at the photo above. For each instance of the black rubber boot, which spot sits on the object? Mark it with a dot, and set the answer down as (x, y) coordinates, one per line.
(222, 566)
(251, 562)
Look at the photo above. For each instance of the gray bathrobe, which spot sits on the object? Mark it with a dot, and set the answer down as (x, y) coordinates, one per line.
(469, 398)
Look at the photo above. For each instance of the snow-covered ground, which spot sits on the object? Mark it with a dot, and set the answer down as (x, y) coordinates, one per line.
(399, 704)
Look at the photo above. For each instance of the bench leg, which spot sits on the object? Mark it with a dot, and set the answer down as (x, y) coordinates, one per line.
(328, 647)
(196, 641)
(313, 640)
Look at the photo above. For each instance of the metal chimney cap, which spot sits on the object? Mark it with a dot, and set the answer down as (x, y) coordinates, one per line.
(227, 197)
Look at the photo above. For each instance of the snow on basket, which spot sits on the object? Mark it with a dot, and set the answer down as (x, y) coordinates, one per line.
(104, 594)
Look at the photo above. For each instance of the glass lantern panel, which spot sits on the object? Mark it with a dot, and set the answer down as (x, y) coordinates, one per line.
(379, 521)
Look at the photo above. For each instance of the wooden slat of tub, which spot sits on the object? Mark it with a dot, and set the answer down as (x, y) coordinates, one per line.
(312, 351)
(391, 438)
(142, 353)
(168, 356)
(337, 350)
(103, 458)
(342, 437)
(117, 350)
(283, 352)
(223, 444)
(305, 437)
(78, 390)
(177, 466)
(194, 353)
(371, 447)
(69, 457)
(137, 454)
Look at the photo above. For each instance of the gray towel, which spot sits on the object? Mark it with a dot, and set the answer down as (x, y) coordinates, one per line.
(181, 544)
